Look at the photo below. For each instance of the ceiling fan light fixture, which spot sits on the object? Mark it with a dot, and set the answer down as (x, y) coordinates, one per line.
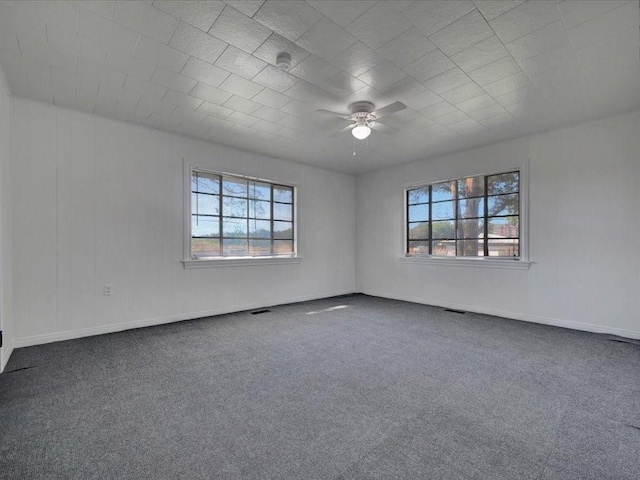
(361, 130)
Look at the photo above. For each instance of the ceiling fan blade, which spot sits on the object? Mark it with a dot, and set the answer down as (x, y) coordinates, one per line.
(333, 114)
(381, 127)
(342, 130)
(391, 108)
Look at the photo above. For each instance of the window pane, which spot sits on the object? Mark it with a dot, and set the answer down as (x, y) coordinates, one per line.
(234, 207)
(470, 248)
(471, 187)
(234, 186)
(504, 183)
(205, 182)
(282, 211)
(504, 205)
(261, 191)
(419, 213)
(444, 229)
(282, 194)
(205, 226)
(471, 207)
(205, 204)
(444, 248)
(205, 247)
(260, 228)
(506, 247)
(506, 227)
(418, 195)
(260, 247)
(441, 211)
(419, 231)
(259, 209)
(471, 228)
(234, 227)
(418, 247)
(234, 247)
(282, 247)
(283, 230)
(442, 191)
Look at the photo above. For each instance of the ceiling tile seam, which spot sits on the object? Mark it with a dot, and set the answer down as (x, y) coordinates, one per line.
(273, 31)
(529, 33)
(444, 26)
(256, 12)
(228, 44)
(407, 73)
(508, 51)
(573, 48)
(597, 16)
(208, 116)
(304, 33)
(485, 19)
(113, 11)
(601, 40)
(354, 20)
(594, 18)
(77, 8)
(175, 29)
(395, 38)
(184, 21)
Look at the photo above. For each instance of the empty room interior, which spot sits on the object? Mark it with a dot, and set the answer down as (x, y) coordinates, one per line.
(343, 240)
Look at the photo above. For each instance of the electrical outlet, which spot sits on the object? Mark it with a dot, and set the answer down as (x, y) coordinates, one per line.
(107, 290)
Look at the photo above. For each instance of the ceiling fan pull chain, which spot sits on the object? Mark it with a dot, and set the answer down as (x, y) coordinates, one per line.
(354, 146)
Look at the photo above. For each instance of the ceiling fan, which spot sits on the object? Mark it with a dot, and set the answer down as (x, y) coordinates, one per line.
(365, 117)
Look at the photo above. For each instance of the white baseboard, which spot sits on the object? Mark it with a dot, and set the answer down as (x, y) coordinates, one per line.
(119, 327)
(556, 322)
(7, 350)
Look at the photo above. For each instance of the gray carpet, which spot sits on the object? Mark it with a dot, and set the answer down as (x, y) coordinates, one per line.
(379, 389)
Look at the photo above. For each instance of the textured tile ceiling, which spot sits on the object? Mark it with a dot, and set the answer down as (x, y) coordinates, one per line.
(470, 72)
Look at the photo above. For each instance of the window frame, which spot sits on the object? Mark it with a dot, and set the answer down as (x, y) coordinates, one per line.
(520, 262)
(191, 261)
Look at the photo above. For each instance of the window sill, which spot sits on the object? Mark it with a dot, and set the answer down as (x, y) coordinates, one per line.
(239, 261)
(469, 262)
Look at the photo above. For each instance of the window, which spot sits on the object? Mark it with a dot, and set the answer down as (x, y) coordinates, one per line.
(233, 216)
(467, 217)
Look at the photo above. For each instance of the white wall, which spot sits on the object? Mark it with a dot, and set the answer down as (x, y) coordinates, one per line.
(584, 225)
(98, 201)
(6, 317)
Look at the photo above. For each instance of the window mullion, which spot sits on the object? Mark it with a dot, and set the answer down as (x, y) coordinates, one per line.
(456, 214)
(248, 221)
(271, 220)
(486, 216)
(220, 229)
(430, 224)
(406, 223)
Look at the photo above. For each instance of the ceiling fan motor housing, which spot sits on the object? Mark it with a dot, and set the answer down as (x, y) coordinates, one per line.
(361, 107)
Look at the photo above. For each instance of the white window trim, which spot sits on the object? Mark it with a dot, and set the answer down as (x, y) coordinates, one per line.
(189, 262)
(241, 261)
(521, 263)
